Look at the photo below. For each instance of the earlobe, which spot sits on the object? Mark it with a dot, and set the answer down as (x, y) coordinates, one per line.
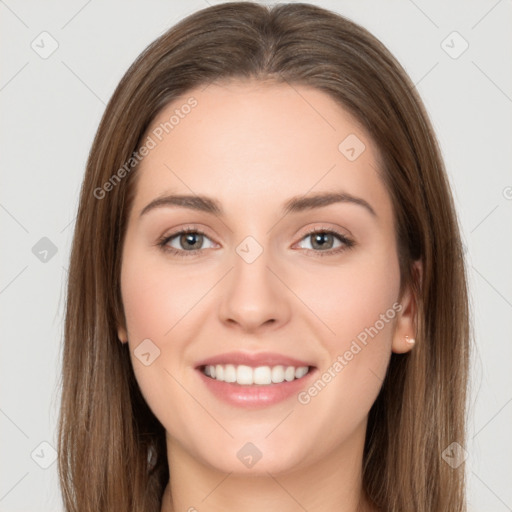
(122, 334)
(410, 341)
(404, 336)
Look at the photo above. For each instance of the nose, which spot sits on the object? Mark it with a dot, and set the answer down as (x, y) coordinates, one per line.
(254, 298)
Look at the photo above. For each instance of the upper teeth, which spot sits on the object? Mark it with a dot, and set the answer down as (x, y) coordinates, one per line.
(260, 375)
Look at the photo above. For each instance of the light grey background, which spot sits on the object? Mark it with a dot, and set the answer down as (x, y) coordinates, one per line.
(51, 107)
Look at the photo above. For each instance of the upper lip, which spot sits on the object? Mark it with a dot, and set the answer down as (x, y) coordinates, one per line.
(253, 359)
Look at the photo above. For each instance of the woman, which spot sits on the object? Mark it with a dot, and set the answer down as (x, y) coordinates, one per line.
(267, 302)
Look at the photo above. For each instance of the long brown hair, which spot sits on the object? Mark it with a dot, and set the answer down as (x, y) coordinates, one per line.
(112, 452)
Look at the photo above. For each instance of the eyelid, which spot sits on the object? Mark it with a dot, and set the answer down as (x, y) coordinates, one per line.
(186, 228)
(322, 228)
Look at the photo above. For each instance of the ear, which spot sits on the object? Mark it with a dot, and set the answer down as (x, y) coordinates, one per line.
(405, 328)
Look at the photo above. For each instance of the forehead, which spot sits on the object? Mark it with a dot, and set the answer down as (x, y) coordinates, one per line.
(247, 141)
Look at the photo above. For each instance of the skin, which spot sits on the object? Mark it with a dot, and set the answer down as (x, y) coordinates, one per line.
(252, 146)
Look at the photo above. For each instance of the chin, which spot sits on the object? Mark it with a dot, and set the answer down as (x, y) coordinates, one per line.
(255, 458)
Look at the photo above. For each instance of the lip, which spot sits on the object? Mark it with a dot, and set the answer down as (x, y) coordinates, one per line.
(255, 396)
(253, 359)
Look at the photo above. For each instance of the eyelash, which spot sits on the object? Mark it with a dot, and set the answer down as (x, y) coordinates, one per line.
(163, 241)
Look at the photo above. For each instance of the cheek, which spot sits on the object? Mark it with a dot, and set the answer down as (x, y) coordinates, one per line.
(358, 303)
(352, 297)
(157, 297)
(158, 305)
(148, 301)
(161, 304)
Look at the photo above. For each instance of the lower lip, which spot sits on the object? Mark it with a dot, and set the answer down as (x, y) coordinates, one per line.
(255, 395)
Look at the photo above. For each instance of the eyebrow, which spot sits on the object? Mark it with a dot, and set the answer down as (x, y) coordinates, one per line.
(294, 205)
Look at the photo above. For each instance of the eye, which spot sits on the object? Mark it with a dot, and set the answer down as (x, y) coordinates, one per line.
(189, 241)
(323, 242)
(185, 242)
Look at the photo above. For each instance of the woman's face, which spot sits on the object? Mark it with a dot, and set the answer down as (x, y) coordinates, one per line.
(250, 294)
